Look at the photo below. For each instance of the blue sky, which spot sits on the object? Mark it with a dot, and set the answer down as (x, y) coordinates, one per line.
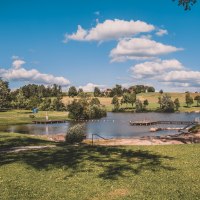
(163, 48)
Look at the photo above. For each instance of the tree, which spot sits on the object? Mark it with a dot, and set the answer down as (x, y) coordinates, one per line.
(150, 89)
(145, 103)
(33, 102)
(72, 92)
(85, 109)
(132, 98)
(80, 90)
(197, 99)
(117, 90)
(46, 104)
(115, 102)
(138, 106)
(95, 101)
(21, 101)
(57, 104)
(188, 99)
(167, 105)
(161, 91)
(177, 104)
(97, 92)
(125, 98)
(4, 94)
(186, 3)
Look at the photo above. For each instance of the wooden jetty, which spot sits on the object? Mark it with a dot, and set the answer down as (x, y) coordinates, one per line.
(149, 123)
(143, 123)
(49, 121)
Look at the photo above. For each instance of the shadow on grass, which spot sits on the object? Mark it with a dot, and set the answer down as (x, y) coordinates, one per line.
(106, 162)
(8, 141)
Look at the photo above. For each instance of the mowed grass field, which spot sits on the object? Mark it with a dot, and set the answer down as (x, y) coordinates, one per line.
(23, 116)
(151, 97)
(95, 173)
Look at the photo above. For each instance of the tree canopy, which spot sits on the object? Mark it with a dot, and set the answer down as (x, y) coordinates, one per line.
(186, 3)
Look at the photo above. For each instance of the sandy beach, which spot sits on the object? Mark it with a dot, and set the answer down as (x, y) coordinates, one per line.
(182, 138)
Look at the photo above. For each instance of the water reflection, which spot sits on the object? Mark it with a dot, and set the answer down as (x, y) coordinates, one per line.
(112, 126)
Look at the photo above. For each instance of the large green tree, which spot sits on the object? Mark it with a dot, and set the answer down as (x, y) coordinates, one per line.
(166, 103)
(4, 94)
(72, 92)
(97, 92)
(188, 99)
(197, 99)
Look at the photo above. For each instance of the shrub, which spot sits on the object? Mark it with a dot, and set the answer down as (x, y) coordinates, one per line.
(75, 134)
(32, 116)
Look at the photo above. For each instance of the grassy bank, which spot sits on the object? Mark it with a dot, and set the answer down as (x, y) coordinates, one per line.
(152, 99)
(86, 172)
(22, 116)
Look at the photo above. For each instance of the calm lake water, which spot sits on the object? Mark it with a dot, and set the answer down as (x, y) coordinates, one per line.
(115, 125)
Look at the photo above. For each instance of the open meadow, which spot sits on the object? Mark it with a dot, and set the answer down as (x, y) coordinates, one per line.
(152, 99)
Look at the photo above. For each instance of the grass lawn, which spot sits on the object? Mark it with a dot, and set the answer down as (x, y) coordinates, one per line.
(22, 116)
(96, 173)
(151, 97)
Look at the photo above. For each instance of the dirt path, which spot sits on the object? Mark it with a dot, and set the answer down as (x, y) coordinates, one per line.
(26, 148)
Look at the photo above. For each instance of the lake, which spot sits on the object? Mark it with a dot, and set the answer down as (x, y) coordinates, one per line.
(115, 125)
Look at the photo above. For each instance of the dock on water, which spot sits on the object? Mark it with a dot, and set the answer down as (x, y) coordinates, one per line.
(142, 123)
(49, 121)
(149, 123)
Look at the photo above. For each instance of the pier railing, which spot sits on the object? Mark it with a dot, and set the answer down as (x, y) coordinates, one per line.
(97, 136)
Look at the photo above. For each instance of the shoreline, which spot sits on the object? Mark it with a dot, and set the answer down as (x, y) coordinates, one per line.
(182, 138)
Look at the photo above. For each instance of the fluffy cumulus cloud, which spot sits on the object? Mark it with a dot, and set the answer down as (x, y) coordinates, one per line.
(161, 32)
(110, 30)
(139, 48)
(184, 78)
(155, 68)
(18, 73)
(90, 87)
(168, 72)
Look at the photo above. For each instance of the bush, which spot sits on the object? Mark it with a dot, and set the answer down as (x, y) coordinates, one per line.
(75, 134)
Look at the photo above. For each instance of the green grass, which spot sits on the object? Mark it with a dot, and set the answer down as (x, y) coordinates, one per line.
(22, 116)
(86, 172)
(151, 97)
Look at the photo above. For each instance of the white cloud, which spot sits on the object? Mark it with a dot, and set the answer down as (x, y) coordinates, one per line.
(18, 63)
(161, 32)
(139, 48)
(79, 35)
(90, 87)
(155, 68)
(171, 73)
(17, 73)
(110, 30)
(183, 78)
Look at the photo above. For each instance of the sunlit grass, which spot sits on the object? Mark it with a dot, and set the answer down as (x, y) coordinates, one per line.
(23, 116)
(85, 172)
(152, 99)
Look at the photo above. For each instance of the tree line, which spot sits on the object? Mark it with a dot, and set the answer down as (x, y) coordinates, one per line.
(118, 90)
(31, 96)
